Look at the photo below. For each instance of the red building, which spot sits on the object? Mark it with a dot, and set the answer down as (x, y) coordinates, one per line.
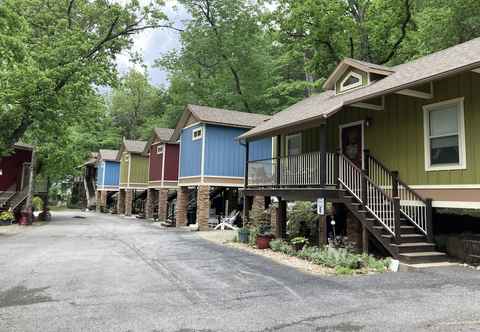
(14, 169)
(163, 171)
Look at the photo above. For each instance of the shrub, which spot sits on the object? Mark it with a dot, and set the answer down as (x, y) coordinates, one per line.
(283, 247)
(302, 220)
(37, 203)
(6, 216)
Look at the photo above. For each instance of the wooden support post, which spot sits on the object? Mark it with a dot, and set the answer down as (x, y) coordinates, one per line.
(278, 158)
(430, 235)
(366, 163)
(282, 218)
(247, 159)
(394, 183)
(364, 239)
(322, 230)
(323, 154)
(364, 185)
(396, 216)
(246, 209)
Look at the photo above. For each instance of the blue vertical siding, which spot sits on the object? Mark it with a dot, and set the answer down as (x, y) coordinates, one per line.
(190, 153)
(225, 156)
(260, 149)
(100, 173)
(112, 173)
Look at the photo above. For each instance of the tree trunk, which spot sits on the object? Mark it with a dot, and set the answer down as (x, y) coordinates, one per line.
(28, 204)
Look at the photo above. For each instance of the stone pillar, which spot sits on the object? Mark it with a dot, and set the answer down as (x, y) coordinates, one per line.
(149, 204)
(273, 220)
(181, 206)
(128, 202)
(354, 231)
(246, 210)
(258, 207)
(121, 201)
(365, 239)
(98, 195)
(103, 199)
(162, 204)
(322, 231)
(203, 207)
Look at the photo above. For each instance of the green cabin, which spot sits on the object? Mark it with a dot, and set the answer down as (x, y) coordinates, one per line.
(133, 165)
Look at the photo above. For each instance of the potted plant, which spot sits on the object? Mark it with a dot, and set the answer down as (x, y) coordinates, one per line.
(299, 242)
(243, 235)
(6, 218)
(264, 236)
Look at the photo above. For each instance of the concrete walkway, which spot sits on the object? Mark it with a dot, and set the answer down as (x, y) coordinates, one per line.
(105, 273)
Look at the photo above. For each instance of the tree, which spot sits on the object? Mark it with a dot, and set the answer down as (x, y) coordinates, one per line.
(56, 52)
(136, 106)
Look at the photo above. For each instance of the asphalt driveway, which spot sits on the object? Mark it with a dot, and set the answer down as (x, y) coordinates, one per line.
(105, 273)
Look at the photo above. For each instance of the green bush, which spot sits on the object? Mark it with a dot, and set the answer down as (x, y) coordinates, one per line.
(6, 216)
(37, 203)
(302, 220)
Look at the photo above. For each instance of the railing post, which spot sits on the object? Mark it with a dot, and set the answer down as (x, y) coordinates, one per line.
(336, 169)
(323, 155)
(396, 216)
(428, 203)
(247, 157)
(366, 161)
(364, 185)
(279, 153)
(394, 183)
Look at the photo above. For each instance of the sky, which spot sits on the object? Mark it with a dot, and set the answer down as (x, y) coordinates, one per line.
(152, 44)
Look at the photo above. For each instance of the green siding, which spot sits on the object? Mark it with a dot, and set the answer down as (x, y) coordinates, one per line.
(138, 170)
(396, 136)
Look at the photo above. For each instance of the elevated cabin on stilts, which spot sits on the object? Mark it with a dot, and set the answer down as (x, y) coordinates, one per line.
(89, 179)
(393, 148)
(163, 154)
(108, 178)
(133, 177)
(212, 161)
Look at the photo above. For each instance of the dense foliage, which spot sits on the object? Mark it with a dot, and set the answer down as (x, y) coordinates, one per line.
(253, 56)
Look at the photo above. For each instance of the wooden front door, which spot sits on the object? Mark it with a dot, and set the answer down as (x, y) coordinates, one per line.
(352, 143)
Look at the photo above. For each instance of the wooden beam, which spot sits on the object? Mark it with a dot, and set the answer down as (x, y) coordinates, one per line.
(417, 94)
(476, 70)
(369, 106)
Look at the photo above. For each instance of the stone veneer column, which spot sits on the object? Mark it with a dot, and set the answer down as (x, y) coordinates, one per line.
(128, 202)
(162, 204)
(203, 207)
(98, 194)
(121, 201)
(181, 207)
(258, 207)
(103, 199)
(273, 220)
(354, 231)
(149, 204)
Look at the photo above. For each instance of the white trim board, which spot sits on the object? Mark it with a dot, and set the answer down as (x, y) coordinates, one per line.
(456, 205)
(446, 186)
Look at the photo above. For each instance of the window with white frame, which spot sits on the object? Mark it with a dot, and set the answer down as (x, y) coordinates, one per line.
(197, 133)
(444, 136)
(294, 144)
(160, 148)
(125, 157)
(351, 81)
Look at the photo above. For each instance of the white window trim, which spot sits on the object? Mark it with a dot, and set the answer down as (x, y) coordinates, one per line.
(160, 148)
(289, 137)
(353, 124)
(196, 130)
(351, 86)
(461, 136)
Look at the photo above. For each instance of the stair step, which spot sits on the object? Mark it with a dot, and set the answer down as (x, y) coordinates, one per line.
(423, 257)
(407, 229)
(412, 238)
(415, 247)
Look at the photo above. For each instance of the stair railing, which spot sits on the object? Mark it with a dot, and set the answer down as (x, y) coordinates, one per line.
(412, 206)
(382, 206)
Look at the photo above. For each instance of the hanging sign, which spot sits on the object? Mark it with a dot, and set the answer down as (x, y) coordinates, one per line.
(321, 206)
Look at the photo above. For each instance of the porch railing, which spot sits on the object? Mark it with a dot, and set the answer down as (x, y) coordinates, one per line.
(296, 170)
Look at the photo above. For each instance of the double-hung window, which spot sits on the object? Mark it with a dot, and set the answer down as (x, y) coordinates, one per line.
(294, 144)
(160, 149)
(444, 136)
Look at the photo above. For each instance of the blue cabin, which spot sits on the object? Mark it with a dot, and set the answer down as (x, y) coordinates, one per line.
(212, 162)
(108, 171)
(210, 153)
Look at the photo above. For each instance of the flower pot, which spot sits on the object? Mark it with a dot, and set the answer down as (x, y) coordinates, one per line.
(243, 235)
(263, 241)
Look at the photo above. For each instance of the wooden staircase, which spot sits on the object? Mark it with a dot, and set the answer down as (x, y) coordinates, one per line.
(391, 211)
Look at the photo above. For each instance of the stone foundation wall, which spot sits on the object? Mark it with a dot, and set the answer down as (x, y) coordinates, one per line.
(181, 207)
(354, 231)
(162, 204)
(203, 207)
(149, 204)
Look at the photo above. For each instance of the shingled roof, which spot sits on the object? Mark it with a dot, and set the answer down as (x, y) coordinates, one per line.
(437, 65)
(132, 147)
(219, 116)
(109, 155)
(164, 134)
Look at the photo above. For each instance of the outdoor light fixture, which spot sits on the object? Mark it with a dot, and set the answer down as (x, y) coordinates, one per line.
(1, 172)
(368, 122)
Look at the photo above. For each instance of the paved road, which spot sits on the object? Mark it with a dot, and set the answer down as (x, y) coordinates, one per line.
(105, 273)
